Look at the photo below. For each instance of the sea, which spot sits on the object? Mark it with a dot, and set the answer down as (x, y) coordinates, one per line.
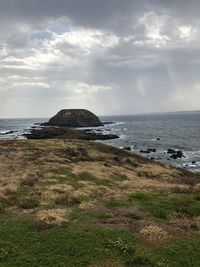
(160, 131)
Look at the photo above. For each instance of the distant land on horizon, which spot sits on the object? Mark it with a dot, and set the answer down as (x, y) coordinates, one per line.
(111, 115)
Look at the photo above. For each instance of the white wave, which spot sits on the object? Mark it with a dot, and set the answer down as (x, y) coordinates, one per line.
(122, 136)
(115, 123)
(4, 132)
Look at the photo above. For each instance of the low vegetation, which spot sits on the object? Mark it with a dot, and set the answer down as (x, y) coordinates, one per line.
(78, 203)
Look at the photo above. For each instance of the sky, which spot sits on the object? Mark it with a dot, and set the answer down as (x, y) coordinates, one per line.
(109, 56)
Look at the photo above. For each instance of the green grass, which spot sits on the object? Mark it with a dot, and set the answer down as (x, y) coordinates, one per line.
(162, 205)
(117, 203)
(22, 245)
(181, 253)
(72, 179)
(85, 176)
(87, 216)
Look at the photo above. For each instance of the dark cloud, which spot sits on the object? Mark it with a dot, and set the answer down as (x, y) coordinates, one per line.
(89, 13)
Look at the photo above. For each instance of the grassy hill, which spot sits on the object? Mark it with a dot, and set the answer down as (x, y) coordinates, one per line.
(79, 203)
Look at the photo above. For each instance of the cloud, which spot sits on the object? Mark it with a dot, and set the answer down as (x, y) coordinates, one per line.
(84, 88)
(111, 56)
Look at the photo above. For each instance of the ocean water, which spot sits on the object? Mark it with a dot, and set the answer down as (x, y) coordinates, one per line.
(179, 131)
(15, 128)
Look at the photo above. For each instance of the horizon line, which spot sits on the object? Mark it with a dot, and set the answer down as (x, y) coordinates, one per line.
(114, 115)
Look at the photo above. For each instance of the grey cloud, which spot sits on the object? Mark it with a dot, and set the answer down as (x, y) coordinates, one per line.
(92, 13)
(147, 51)
(106, 14)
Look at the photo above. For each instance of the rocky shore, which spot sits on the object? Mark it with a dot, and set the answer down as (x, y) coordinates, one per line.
(67, 133)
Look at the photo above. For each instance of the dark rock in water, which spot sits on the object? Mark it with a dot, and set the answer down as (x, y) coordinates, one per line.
(65, 133)
(108, 122)
(194, 162)
(95, 136)
(48, 133)
(177, 154)
(173, 156)
(128, 148)
(158, 139)
(148, 151)
(171, 151)
(74, 118)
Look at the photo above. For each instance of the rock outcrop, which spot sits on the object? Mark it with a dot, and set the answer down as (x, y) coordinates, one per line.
(74, 118)
(175, 153)
(66, 133)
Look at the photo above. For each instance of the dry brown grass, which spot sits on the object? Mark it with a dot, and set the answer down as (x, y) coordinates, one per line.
(94, 206)
(154, 234)
(8, 189)
(61, 194)
(60, 188)
(31, 162)
(184, 221)
(90, 205)
(51, 217)
(183, 189)
(29, 181)
(67, 199)
(164, 179)
(53, 168)
(48, 197)
(29, 202)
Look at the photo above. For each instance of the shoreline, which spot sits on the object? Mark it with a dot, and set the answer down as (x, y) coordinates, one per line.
(92, 136)
(124, 150)
(128, 137)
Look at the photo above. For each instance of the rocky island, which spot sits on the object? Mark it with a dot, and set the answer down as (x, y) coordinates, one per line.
(63, 123)
(74, 118)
